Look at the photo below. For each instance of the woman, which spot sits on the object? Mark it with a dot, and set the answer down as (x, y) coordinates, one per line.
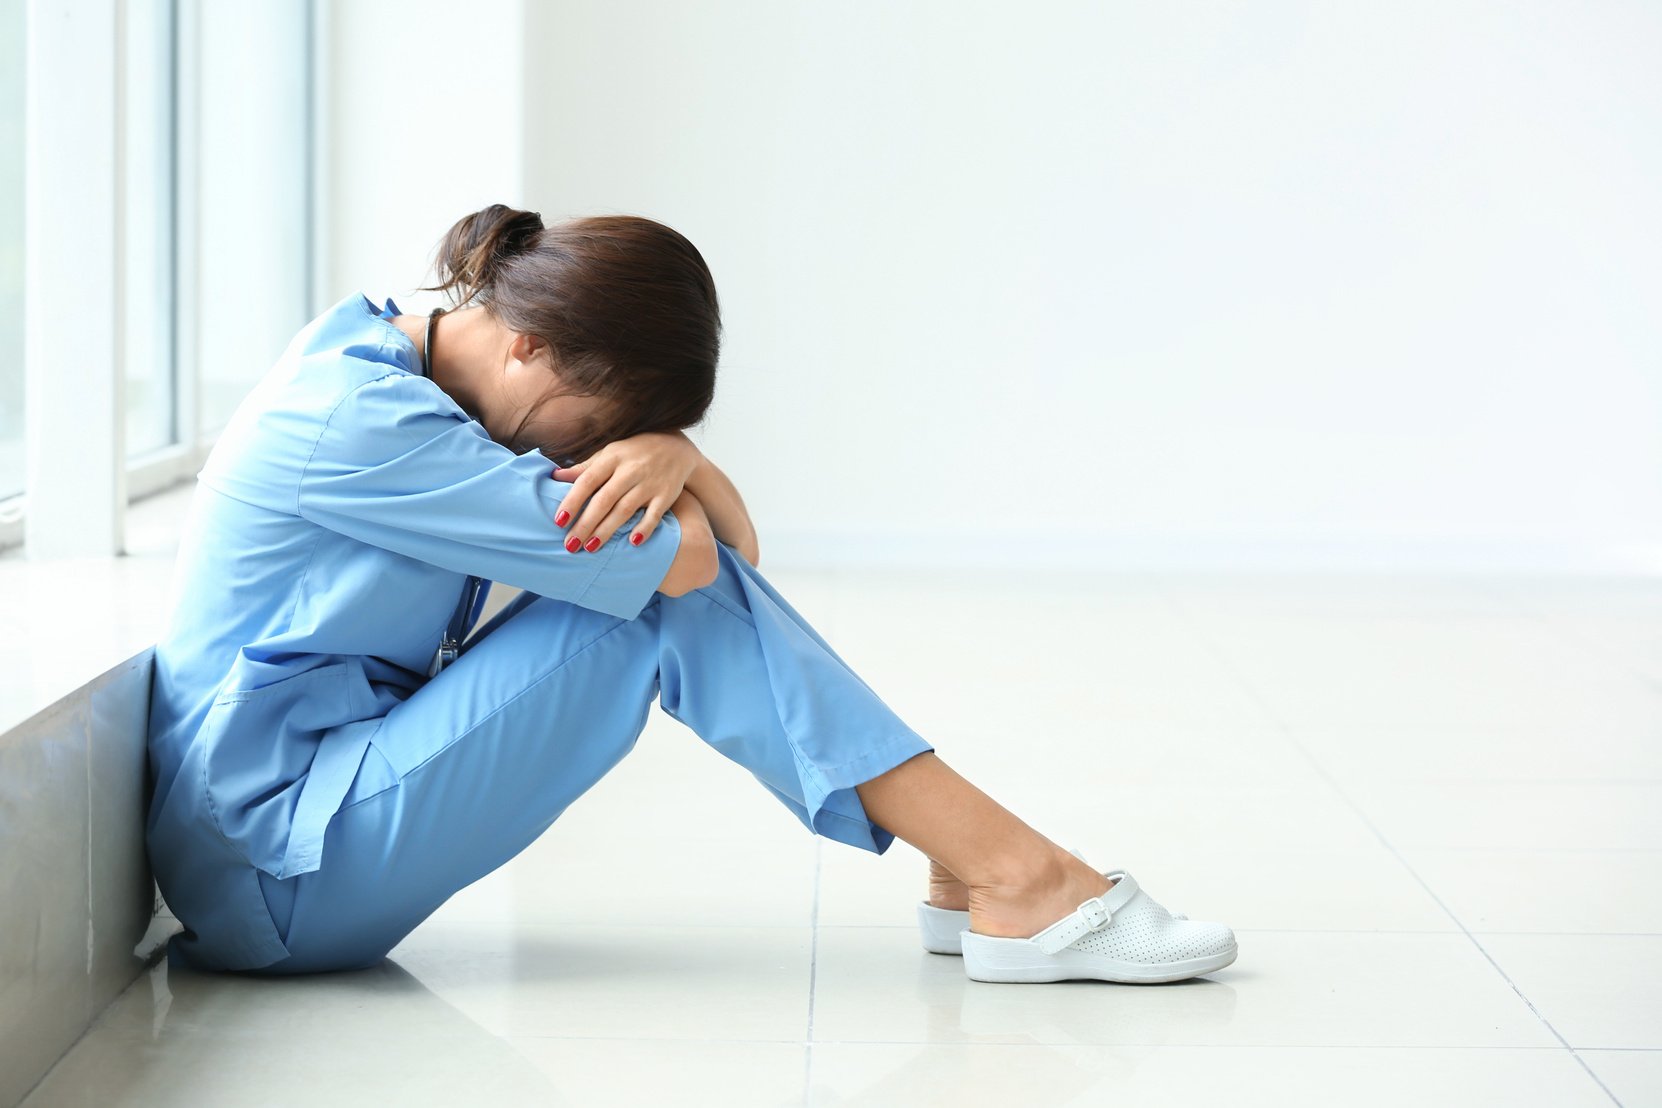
(330, 765)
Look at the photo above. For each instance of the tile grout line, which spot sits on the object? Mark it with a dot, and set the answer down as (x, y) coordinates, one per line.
(834, 585)
(1304, 931)
(1274, 718)
(1589, 647)
(813, 978)
(979, 1043)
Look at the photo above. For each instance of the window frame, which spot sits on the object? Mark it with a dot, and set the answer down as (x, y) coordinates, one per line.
(177, 293)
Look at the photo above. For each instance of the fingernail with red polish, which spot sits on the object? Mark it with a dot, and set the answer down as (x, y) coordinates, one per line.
(636, 538)
(571, 544)
(593, 544)
(560, 520)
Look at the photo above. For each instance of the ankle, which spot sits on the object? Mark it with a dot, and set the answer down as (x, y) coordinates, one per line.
(945, 890)
(1047, 891)
(1042, 866)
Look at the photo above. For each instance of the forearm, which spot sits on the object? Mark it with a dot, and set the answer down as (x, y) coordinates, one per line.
(725, 508)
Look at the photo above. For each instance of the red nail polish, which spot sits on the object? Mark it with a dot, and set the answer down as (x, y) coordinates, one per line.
(561, 519)
(593, 544)
(636, 538)
(571, 544)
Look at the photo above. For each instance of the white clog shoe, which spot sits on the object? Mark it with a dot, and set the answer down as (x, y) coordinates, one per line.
(940, 927)
(1123, 935)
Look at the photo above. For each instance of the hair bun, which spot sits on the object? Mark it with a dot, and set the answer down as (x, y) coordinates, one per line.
(474, 250)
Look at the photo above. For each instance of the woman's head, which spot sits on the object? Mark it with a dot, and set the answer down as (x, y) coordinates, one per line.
(615, 324)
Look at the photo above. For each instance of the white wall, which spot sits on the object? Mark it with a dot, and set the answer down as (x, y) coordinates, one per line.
(422, 124)
(1268, 284)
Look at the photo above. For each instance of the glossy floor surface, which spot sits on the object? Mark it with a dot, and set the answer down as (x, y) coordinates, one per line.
(1431, 809)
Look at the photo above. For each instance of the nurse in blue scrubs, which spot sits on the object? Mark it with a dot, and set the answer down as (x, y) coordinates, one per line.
(333, 756)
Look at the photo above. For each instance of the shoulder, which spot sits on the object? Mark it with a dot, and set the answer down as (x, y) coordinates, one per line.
(394, 421)
(349, 357)
(371, 398)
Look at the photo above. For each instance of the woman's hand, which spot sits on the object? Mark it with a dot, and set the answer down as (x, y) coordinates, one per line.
(648, 471)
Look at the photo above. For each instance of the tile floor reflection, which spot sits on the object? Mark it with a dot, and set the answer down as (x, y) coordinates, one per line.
(1428, 807)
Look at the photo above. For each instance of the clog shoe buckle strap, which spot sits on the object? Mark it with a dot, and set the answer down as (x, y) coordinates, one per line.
(1091, 915)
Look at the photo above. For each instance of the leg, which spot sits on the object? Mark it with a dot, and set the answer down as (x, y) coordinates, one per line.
(483, 759)
(781, 702)
(1017, 880)
(466, 773)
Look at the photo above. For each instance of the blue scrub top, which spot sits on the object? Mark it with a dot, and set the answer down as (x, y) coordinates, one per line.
(330, 536)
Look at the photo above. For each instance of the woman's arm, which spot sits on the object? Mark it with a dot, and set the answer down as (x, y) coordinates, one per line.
(696, 563)
(724, 507)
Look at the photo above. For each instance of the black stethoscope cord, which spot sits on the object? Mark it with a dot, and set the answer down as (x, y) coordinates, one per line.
(427, 344)
(473, 598)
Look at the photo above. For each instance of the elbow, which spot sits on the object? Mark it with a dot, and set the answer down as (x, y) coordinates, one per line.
(697, 565)
(709, 565)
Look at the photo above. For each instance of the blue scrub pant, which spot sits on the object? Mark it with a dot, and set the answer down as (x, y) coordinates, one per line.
(543, 701)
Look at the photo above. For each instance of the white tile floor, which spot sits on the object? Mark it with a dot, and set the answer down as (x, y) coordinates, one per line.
(1430, 808)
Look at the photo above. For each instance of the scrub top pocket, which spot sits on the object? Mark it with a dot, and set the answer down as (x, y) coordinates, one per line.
(271, 755)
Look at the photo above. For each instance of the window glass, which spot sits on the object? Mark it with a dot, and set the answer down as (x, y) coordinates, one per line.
(147, 331)
(11, 247)
(252, 177)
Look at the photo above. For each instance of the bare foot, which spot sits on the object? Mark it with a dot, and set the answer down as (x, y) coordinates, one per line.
(945, 890)
(1041, 896)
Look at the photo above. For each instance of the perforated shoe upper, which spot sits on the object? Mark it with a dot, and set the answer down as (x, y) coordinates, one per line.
(1137, 928)
(1143, 931)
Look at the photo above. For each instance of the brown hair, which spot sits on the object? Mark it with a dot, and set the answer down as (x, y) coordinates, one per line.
(626, 305)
